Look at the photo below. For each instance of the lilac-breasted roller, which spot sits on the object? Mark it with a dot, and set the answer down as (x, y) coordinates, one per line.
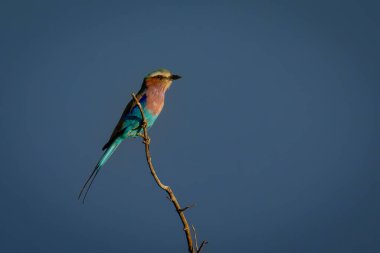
(151, 97)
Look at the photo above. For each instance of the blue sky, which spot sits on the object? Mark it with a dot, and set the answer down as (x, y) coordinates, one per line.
(273, 131)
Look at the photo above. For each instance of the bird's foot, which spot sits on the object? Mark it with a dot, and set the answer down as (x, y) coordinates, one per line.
(144, 124)
(146, 141)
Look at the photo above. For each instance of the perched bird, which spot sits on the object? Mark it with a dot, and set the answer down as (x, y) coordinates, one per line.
(151, 97)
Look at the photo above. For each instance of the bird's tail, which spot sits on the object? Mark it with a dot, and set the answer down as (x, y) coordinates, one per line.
(106, 155)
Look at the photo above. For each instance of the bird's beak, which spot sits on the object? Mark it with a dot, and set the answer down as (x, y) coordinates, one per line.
(175, 77)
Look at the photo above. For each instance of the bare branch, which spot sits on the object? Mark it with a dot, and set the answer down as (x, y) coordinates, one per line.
(201, 247)
(187, 207)
(195, 237)
(166, 188)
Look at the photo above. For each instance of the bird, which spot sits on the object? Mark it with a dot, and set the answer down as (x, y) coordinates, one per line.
(152, 98)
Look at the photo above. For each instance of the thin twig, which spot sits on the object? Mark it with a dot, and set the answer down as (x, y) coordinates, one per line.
(187, 207)
(195, 237)
(198, 250)
(166, 188)
(201, 247)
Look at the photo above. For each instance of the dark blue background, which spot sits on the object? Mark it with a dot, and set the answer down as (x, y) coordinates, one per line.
(273, 131)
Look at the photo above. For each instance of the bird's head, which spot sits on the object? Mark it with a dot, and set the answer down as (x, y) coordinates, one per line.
(161, 78)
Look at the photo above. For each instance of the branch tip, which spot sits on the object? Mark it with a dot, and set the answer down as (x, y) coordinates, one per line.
(201, 247)
(187, 207)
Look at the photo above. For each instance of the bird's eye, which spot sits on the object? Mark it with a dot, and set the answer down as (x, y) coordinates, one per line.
(159, 76)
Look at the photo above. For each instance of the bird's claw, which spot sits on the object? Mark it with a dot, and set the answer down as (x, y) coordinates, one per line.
(144, 124)
(146, 141)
